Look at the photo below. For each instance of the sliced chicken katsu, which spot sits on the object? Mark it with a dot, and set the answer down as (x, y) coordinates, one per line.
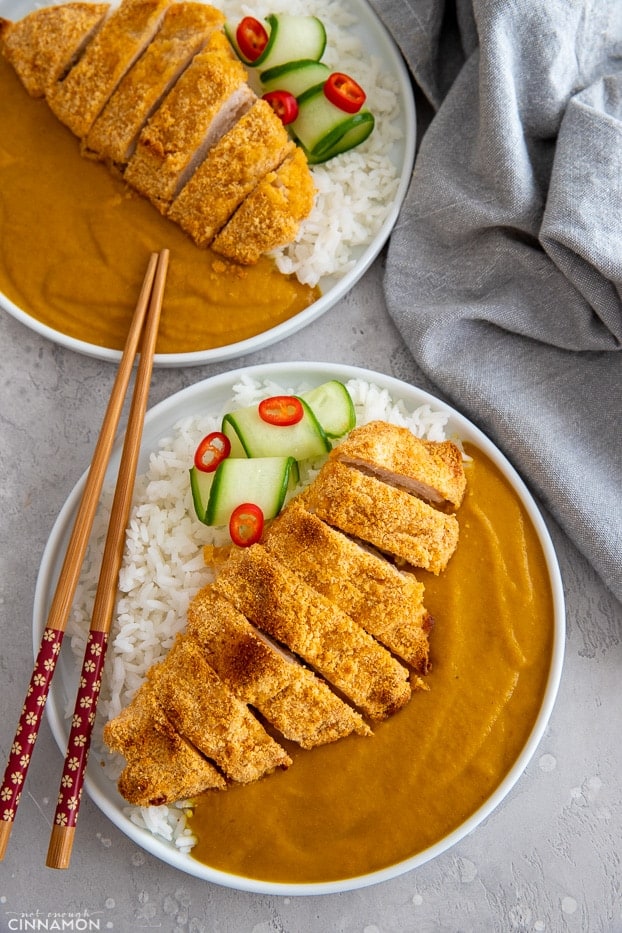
(161, 767)
(394, 521)
(280, 603)
(271, 215)
(208, 98)
(384, 601)
(256, 145)
(296, 702)
(80, 97)
(431, 470)
(44, 45)
(206, 713)
(185, 30)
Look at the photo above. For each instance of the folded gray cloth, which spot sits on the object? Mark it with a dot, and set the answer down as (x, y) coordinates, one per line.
(504, 271)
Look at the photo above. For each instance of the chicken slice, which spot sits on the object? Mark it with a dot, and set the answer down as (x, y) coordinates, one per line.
(254, 146)
(206, 713)
(161, 767)
(44, 45)
(209, 97)
(271, 215)
(431, 470)
(388, 518)
(283, 605)
(185, 30)
(80, 97)
(384, 601)
(296, 702)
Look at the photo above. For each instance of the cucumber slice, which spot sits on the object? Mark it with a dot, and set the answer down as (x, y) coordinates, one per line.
(264, 481)
(295, 77)
(292, 38)
(201, 485)
(324, 130)
(250, 436)
(332, 406)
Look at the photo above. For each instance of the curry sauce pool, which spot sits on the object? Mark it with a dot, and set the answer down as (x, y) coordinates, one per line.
(75, 244)
(363, 804)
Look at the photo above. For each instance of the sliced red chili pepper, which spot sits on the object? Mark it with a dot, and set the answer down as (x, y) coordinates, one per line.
(246, 524)
(281, 410)
(212, 450)
(284, 105)
(251, 38)
(343, 91)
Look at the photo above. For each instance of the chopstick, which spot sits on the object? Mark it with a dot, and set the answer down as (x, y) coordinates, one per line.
(31, 714)
(71, 785)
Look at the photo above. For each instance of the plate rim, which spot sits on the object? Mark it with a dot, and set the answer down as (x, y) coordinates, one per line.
(336, 291)
(304, 371)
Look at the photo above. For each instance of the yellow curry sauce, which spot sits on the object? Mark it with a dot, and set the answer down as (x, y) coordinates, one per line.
(362, 804)
(76, 241)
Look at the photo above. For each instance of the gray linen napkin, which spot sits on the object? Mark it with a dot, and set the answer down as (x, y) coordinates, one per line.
(504, 271)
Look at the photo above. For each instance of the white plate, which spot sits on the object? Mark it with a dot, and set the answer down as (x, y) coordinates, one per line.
(211, 395)
(377, 42)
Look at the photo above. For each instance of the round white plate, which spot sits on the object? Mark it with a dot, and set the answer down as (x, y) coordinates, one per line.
(211, 395)
(376, 42)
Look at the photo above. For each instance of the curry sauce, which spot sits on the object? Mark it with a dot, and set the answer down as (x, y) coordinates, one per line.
(76, 241)
(363, 804)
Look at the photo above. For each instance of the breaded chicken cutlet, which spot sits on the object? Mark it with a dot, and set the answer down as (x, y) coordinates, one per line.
(44, 45)
(209, 716)
(280, 603)
(390, 519)
(256, 144)
(431, 470)
(271, 214)
(209, 97)
(297, 703)
(161, 766)
(384, 601)
(185, 30)
(80, 97)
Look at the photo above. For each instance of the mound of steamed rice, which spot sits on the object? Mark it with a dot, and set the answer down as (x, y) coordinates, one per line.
(163, 565)
(356, 189)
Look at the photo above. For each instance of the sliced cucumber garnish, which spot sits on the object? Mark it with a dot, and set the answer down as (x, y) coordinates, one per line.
(201, 485)
(332, 406)
(264, 481)
(250, 436)
(291, 38)
(324, 130)
(295, 76)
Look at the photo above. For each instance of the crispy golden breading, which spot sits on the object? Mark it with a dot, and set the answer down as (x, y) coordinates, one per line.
(384, 601)
(185, 30)
(161, 767)
(283, 605)
(43, 45)
(296, 702)
(80, 97)
(392, 520)
(271, 215)
(432, 470)
(206, 713)
(206, 101)
(254, 146)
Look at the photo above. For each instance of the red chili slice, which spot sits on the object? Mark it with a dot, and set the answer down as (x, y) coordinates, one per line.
(246, 524)
(284, 105)
(251, 38)
(281, 410)
(343, 91)
(212, 450)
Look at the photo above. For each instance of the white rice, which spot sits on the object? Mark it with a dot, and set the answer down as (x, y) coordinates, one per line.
(355, 190)
(163, 566)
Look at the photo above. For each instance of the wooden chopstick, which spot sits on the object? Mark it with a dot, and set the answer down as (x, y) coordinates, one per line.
(70, 791)
(45, 664)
